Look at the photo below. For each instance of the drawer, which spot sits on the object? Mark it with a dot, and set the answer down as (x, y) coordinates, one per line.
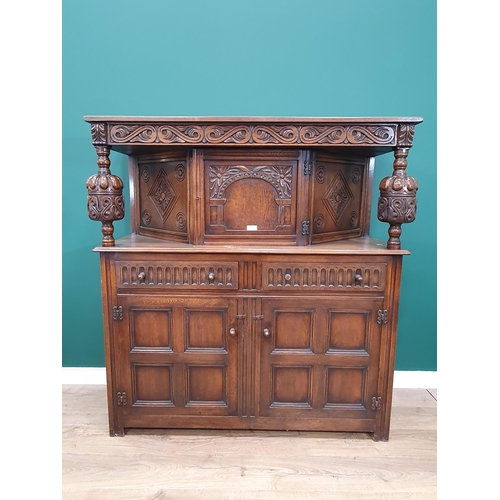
(177, 275)
(323, 276)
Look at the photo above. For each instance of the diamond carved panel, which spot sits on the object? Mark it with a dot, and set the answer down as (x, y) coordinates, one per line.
(163, 195)
(337, 197)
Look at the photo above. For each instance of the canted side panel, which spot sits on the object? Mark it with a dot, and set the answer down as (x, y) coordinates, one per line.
(187, 275)
(300, 276)
(338, 197)
(163, 197)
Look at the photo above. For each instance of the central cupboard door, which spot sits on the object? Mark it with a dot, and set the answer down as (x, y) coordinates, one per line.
(178, 356)
(319, 358)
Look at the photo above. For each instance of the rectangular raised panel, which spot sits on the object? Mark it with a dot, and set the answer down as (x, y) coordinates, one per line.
(291, 386)
(293, 330)
(345, 388)
(206, 329)
(152, 385)
(186, 275)
(348, 331)
(151, 329)
(248, 197)
(206, 385)
(323, 277)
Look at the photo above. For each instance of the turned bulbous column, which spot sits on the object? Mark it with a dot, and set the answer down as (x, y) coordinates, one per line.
(105, 201)
(397, 203)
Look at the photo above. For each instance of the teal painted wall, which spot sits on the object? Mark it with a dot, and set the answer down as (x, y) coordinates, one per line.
(260, 57)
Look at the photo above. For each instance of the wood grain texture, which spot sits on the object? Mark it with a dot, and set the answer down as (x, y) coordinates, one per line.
(193, 464)
(357, 246)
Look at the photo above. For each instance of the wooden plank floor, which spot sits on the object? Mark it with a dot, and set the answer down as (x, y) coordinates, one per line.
(253, 465)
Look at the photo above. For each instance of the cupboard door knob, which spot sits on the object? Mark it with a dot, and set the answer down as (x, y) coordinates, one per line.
(266, 332)
(288, 276)
(358, 278)
(141, 276)
(232, 332)
(211, 276)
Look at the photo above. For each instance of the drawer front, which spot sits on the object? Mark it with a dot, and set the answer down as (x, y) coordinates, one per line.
(323, 277)
(177, 275)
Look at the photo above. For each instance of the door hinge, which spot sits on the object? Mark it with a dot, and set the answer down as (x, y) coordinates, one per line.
(117, 313)
(305, 227)
(376, 403)
(382, 316)
(121, 398)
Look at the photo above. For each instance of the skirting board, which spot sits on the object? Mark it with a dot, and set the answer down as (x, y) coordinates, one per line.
(402, 379)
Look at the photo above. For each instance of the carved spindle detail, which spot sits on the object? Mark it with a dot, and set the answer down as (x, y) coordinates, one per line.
(397, 203)
(105, 200)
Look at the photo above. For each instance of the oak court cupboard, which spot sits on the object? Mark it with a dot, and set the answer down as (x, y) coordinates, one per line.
(249, 294)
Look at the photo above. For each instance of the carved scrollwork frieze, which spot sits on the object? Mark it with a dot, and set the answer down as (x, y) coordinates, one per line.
(258, 134)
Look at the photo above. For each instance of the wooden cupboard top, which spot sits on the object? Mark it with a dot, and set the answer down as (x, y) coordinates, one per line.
(135, 135)
(355, 246)
(256, 119)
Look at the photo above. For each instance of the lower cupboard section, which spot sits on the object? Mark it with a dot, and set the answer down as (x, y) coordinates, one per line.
(277, 363)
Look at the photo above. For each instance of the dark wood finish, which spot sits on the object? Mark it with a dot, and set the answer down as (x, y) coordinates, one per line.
(165, 137)
(249, 294)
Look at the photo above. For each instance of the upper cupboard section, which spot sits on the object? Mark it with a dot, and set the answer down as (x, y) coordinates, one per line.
(279, 196)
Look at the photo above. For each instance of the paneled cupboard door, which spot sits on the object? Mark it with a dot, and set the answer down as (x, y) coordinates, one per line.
(319, 357)
(177, 356)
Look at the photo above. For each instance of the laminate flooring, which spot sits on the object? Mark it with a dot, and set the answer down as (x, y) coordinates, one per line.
(253, 465)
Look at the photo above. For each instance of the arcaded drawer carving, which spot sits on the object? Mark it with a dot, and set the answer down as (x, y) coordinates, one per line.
(301, 276)
(185, 275)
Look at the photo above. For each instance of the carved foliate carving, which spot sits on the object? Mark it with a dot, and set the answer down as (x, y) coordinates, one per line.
(121, 398)
(405, 135)
(280, 177)
(98, 133)
(397, 203)
(117, 313)
(105, 201)
(382, 316)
